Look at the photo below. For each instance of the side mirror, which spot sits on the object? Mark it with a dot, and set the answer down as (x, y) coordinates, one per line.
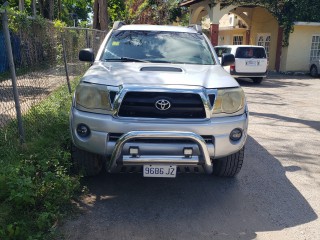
(227, 59)
(86, 55)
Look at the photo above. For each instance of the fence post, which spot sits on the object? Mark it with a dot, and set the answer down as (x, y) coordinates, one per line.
(65, 62)
(6, 33)
(87, 39)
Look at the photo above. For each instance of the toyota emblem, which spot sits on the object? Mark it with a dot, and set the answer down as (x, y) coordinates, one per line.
(163, 104)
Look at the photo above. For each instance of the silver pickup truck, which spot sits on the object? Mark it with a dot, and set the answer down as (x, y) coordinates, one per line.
(157, 101)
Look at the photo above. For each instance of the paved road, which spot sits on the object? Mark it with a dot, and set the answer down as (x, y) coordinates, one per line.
(275, 196)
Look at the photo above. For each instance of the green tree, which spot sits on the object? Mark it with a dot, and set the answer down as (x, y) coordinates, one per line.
(154, 11)
(74, 10)
(64, 10)
(116, 10)
(162, 11)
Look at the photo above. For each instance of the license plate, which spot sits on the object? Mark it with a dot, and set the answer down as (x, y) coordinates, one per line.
(167, 171)
(251, 63)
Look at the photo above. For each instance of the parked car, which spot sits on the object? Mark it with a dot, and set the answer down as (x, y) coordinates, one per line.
(157, 101)
(250, 61)
(314, 68)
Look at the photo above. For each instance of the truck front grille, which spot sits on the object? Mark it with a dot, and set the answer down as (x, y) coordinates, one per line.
(143, 105)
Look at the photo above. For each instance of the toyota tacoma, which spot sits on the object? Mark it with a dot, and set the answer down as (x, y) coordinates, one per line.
(157, 101)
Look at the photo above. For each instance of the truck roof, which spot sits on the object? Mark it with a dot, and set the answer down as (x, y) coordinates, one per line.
(165, 28)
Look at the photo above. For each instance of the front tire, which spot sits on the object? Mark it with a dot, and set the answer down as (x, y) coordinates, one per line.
(89, 164)
(314, 71)
(228, 166)
(257, 80)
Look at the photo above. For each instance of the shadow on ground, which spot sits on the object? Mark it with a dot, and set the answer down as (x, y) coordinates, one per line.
(276, 80)
(259, 199)
(313, 124)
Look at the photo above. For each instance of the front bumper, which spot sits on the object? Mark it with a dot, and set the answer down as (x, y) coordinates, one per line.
(208, 138)
(119, 159)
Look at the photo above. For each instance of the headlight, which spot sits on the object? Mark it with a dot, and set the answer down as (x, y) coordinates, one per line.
(92, 97)
(229, 100)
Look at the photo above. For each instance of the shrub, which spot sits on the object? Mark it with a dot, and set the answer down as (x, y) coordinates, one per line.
(35, 180)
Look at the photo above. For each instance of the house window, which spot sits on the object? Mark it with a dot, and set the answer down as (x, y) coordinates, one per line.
(315, 48)
(237, 40)
(264, 40)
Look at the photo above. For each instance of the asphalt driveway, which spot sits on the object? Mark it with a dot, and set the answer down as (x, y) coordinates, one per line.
(275, 196)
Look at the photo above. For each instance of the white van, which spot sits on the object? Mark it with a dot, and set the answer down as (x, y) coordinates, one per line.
(250, 61)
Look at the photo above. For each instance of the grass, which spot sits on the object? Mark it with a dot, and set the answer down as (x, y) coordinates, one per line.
(36, 186)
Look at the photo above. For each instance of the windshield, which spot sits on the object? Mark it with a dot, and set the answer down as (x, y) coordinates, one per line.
(161, 47)
(222, 50)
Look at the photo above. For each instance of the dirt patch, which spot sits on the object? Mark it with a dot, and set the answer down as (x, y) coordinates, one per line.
(32, 88)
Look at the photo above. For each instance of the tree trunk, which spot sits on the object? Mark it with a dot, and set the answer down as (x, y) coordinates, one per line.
(41, 7)
(47, 8)
(59, 9)
(21, 5)
(100, 15)
(50, 9)
(34, 10)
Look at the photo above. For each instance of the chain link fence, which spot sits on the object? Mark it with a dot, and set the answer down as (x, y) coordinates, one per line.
(75, 39)
(45, 58)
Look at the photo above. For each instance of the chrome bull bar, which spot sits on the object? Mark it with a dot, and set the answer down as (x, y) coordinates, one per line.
(130, 160)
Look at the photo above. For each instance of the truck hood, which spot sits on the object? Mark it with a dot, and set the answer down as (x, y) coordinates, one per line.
(155, 74)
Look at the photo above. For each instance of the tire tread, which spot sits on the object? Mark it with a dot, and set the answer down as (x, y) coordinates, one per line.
(229, 166)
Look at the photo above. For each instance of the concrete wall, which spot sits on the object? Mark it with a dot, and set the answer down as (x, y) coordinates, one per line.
(283, 59)
(226, 35)
(224, 21)
(264, 23)
(227, 30)
(297, 55)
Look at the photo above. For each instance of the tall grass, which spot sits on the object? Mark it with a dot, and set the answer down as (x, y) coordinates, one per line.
(36, 186)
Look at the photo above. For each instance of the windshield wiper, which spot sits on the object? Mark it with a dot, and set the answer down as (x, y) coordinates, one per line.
(126, 59)
(133, 59)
